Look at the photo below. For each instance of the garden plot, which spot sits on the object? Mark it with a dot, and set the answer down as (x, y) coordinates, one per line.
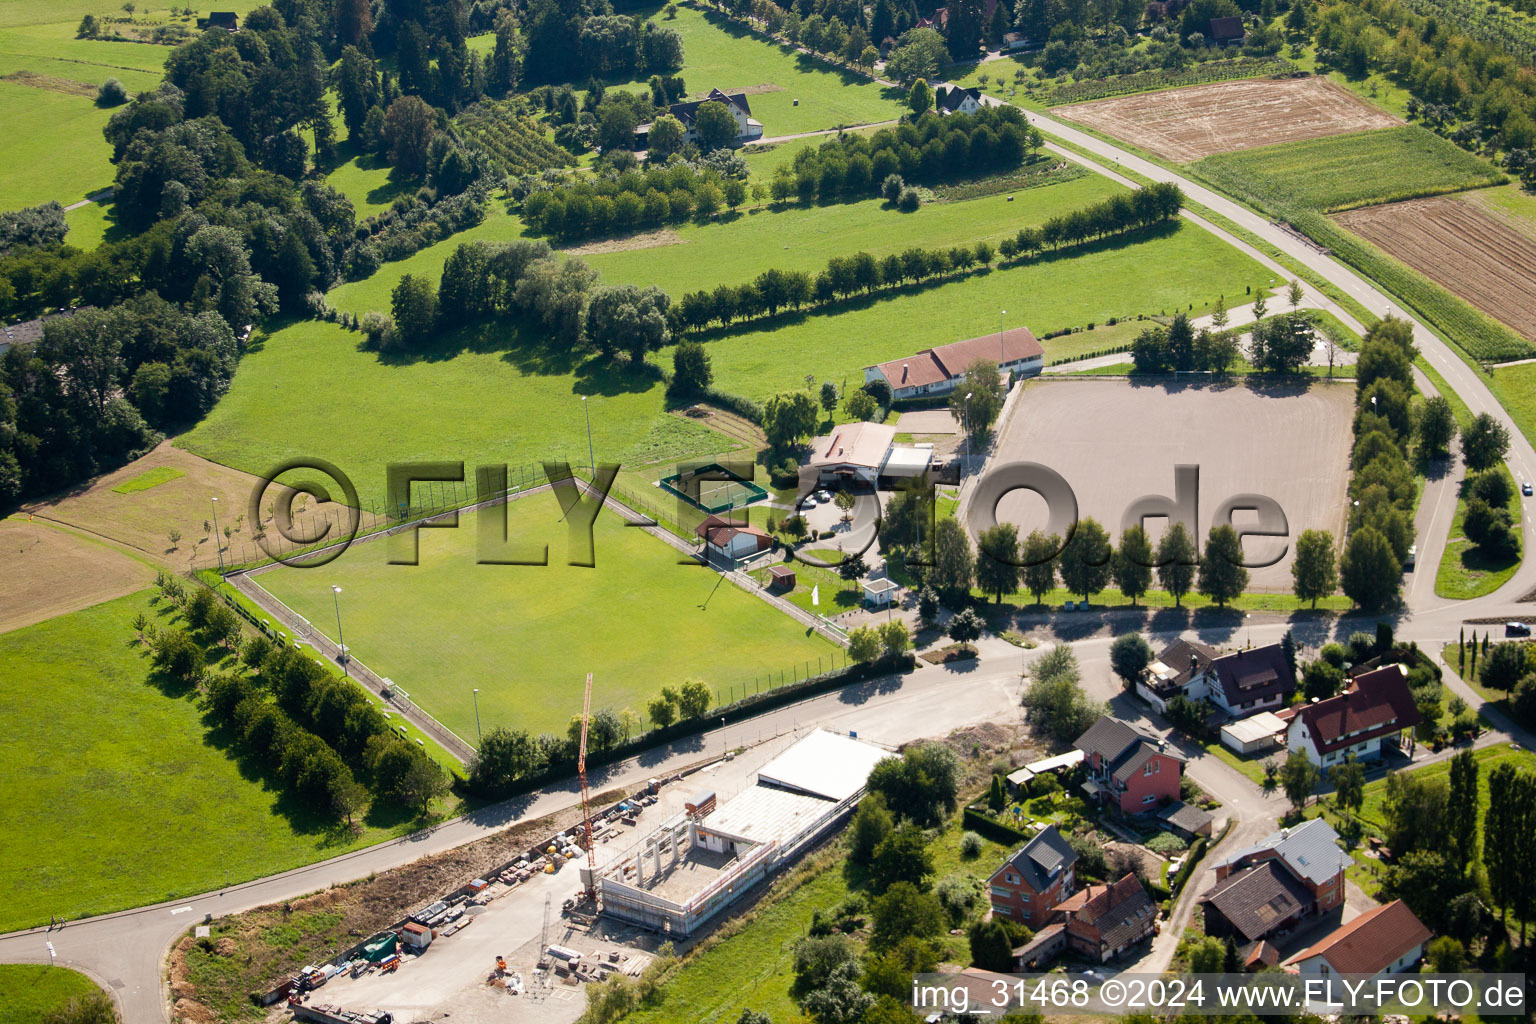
(1461, 248)
(1187, 124)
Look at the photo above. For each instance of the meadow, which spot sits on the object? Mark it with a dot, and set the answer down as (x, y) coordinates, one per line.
(366, 181)
(104, 763)
(1345, 171)
(526, 635)
(495, 392)
(804, 237)
(54, 148)
(27, 991)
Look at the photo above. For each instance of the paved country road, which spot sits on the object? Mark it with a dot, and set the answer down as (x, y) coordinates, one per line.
(126, 951)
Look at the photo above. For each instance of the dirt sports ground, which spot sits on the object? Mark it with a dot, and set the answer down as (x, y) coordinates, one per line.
(1115, 441)
(1457, 245)
(48, 570)
(1194, 122)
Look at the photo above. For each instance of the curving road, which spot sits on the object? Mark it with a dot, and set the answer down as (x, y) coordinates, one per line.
(126, 951)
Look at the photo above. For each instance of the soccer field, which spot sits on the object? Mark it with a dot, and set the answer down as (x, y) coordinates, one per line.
(527, 635)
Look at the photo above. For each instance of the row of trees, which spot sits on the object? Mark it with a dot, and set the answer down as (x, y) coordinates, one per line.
(929, 149)
(631, 200)
(774, 290)
(317, 733)
(1279, 345)
(1382, 485)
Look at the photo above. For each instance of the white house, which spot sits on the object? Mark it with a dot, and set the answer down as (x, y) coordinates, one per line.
(937, 371)
(959, 101)
(736, 104)
(1246, 682)
(1384, 940)
(1375, 710)
(1168, 676)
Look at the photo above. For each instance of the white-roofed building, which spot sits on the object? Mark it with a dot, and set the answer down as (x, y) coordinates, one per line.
(1254, 734)
(902, 461)
(853, 452)
(696, 864)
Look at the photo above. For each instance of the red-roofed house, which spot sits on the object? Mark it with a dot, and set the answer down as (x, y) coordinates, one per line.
(936, 371)
(731, 539)
(1385, 940)
(1375, 710)
(1104, 921)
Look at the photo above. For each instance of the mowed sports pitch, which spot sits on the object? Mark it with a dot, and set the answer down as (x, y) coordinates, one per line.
(527, 635)
(1115, 441)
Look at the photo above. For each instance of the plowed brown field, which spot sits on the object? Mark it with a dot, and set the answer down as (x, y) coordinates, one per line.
(1194, 122)
(1458, 246)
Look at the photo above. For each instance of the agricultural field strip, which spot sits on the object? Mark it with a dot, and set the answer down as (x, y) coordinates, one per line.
(1462, 249)
(1197, 121)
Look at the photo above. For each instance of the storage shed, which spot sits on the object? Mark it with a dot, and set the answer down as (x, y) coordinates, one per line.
(781, 577)
(416, 936)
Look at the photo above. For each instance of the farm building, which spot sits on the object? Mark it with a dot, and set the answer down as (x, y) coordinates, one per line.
(698, 863)
(736, 104)
(936, 371)
(1225, 31)
(1253, 735)
(1366, 719)
(229, 21)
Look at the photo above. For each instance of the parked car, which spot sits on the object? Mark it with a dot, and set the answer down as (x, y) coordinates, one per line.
(1413, 556)
(1525, 488)
(823, 495)
(1069, 606)
(1517, 629)
(808, 502)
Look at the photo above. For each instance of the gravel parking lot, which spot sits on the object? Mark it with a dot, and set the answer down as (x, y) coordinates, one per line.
(1115, 441)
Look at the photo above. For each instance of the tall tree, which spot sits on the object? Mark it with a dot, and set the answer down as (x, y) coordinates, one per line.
(997, 558)
(715, 126)
(1177, 560)
(1484, 443)
(954, 569)
(1369, 571)
(1085, 561)
(1039, 558)
(1314, 573)
(1461, 813)
(1298, 777)
(919, 97)
(978, 399)
(1133, 562)
(1501, 833)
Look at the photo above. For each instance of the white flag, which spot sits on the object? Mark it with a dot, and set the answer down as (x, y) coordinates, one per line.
(815, 596)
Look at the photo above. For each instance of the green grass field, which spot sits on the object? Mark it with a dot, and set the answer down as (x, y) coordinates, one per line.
(494, 393)
(1464, 570)
(89, 226)
(147, 479)
(27, 991)
(799, 93)
(1515, 387)
(1118, 279)
(102, 765)
(805, 237)
(1345, 171)
(54, 151)
(365, 180)
(527, 635)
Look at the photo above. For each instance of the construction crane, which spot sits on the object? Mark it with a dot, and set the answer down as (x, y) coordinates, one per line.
(586, 796)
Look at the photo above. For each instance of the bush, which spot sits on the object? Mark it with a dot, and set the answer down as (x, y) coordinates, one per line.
(908, 200)
(112, 93)
(970, 846)
(1166, 843)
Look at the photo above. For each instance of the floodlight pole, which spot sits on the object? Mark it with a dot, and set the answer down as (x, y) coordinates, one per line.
(966, 465)
(214, 503)
(1001, 347)
(591, 460)
(478, 738)
(340, 637)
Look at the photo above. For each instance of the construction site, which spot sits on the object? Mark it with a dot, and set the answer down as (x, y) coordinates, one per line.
(520, 943)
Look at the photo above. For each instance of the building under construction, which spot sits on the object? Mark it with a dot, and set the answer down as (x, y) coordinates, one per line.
(697, 863)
